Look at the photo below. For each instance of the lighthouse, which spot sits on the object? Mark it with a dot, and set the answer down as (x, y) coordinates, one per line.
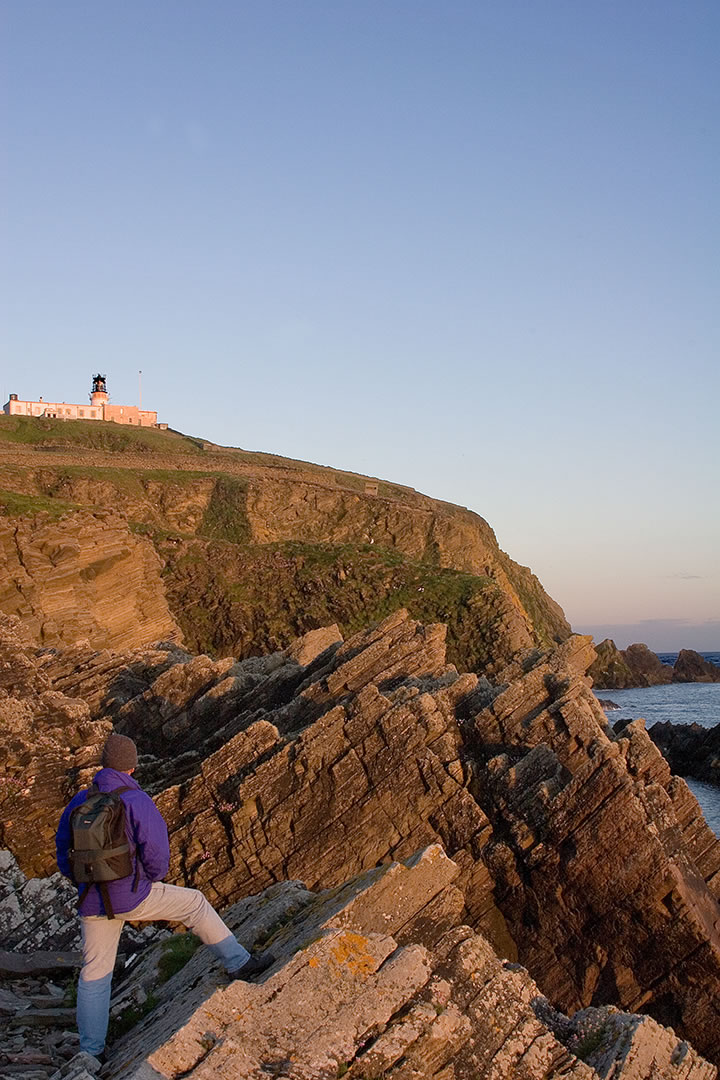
(99, 408)
(99, 395)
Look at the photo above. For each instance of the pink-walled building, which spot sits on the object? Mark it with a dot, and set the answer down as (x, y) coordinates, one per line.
(98, 409)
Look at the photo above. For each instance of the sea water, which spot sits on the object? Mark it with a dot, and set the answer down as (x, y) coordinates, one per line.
(680, 703)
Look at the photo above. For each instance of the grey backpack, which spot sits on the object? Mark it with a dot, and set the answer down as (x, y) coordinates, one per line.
(100, 850)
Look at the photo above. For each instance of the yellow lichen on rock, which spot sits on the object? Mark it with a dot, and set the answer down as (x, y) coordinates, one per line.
(351, 951)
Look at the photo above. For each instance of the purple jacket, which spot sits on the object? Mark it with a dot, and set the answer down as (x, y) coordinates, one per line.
(148, 836)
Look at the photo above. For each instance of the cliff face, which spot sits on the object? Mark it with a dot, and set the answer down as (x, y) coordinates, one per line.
(83, 576)
(257, 550)
(241, 600)
(574, 850)
(50, 747)
(577, 851)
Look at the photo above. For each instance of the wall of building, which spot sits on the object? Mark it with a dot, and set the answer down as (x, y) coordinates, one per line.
(119, 414)
(130, 414)
(59, 409)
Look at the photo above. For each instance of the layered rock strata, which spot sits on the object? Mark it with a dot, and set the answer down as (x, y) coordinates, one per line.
(596, 842)
(83, 576)
(379, 980)
(577, 851)
(375, 979)
(258, 550)
(50, 746)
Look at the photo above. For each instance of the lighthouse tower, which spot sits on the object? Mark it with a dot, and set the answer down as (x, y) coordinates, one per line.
(99, 396)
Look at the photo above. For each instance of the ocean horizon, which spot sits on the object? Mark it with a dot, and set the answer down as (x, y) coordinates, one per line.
(671, 657)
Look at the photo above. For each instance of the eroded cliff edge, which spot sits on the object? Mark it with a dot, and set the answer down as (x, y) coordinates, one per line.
(255, 550)
(578, 853)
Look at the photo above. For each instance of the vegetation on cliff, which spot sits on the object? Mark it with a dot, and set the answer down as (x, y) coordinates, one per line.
(259, 549)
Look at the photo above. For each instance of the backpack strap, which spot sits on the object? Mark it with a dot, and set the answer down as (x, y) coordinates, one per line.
(105, 894)
(102, 887)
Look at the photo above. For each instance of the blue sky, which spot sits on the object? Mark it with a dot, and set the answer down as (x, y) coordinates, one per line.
(466, 246)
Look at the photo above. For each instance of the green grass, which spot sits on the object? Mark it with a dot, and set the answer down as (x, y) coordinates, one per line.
(592, 1041)
(319, 556)
(14, 505)
(120, 438)
(128, 1018)
(176, 952)
(129, 481)
(344, 479)
(226, 515)
(249, 599)
(156, 533)
(94, 434)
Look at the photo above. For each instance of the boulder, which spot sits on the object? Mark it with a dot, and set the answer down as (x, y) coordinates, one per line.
(690, 666)
(690, 749)
(646, 667)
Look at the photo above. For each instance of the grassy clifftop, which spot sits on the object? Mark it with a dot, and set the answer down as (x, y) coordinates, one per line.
(93, 435)
(258, 548)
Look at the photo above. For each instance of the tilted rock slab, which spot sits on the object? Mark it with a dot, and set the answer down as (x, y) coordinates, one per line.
(577, 850)
(343, 777)
(50, 746)
(604, 867)
(378, 980)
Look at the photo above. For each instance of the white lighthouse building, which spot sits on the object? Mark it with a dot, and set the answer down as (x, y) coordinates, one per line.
(99, 408)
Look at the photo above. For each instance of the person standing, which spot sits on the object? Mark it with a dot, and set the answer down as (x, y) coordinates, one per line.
(142, 896)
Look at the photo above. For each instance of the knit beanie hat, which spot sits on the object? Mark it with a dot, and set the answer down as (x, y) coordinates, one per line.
(119, 753)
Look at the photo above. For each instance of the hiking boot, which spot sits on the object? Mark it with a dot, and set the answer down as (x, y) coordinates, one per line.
(253, 967)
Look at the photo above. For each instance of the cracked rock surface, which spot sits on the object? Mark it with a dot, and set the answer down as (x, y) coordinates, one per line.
(577, 852)
(376, 979)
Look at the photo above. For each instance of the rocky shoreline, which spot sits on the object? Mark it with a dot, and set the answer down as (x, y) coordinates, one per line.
(575, 852)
